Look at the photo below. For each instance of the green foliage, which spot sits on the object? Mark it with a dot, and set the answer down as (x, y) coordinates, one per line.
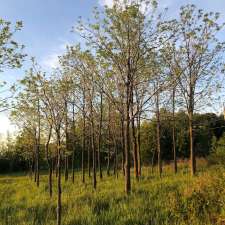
(11, 55)
(206, 126)
(217, 155)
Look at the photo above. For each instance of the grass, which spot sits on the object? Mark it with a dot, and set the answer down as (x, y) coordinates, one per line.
(170, 200)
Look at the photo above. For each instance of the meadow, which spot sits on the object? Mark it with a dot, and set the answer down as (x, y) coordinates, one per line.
(172, 199)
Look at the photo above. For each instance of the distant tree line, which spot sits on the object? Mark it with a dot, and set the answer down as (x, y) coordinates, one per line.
(209, 128)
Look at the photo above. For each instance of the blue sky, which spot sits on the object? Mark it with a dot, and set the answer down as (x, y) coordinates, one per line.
(47, 26)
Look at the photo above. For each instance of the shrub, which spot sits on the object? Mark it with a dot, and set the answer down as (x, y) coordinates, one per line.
(217, 155)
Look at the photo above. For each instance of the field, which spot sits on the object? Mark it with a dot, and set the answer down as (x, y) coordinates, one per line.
(172, 199)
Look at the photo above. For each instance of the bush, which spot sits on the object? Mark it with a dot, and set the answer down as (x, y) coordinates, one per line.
(217, 155)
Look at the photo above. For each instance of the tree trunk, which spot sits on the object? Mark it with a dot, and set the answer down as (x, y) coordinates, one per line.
(139, 144)
(89, 158)
(100, 138)
(93, 146)
(50, 178)
(192, 152)
(153, 157)
(56, 165)
(83, 148)
(30, 168)
(73, 159)
(108, 161)
(49, 161)
(66, 168)
(35, 162)
(116, 162)
(37, 167)
(67, 142)
(127, 140)
(38, 142)
(115, 170)
(59, 203)
(74, 144)
(158, 135)
(173, 130)
(190, 120)
(134, 138)
(94, 162)
(123, 144)
(138, 122)
(109, 140)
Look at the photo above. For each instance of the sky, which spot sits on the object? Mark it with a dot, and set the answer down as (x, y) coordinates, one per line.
(47, 29)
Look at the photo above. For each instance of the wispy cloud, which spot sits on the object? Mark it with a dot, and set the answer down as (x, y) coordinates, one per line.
(109, 3)
(51, 60)
(162, 4)
(165, 3)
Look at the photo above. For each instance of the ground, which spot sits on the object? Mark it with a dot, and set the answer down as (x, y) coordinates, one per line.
(173, 199)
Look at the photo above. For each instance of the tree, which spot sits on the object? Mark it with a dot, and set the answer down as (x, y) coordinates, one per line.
(26, 113)
(53, 93)
(125, 40)
(198, 57)
(83, 69)
(11, 55)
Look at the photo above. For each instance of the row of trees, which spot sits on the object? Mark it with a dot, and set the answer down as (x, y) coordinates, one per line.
(17, 153)
(134, 63)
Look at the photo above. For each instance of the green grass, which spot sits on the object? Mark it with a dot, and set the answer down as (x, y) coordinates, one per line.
(172, 199)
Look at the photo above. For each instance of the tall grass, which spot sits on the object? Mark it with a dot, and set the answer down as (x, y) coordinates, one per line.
(172, 199)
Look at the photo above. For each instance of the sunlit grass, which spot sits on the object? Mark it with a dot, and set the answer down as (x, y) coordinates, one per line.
(172, 199)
